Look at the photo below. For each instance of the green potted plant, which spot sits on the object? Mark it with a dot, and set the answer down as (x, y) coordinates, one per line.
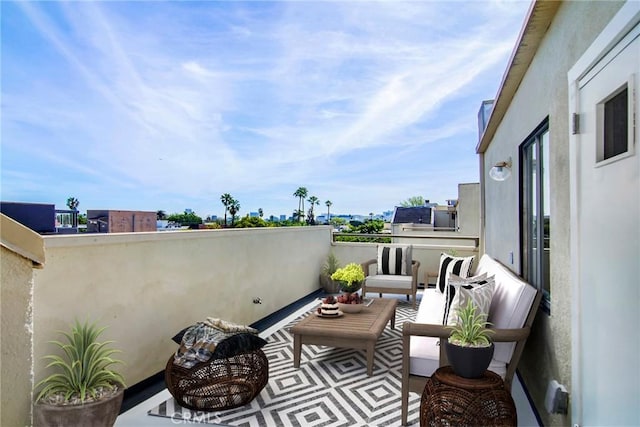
(349, 277)
(84, 390)
(469, 347)
(330, 266)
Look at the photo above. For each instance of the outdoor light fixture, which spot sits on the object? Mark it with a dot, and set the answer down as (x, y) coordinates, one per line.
(501, 170)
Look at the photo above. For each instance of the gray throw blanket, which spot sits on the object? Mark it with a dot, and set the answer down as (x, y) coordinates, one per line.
(199, 342)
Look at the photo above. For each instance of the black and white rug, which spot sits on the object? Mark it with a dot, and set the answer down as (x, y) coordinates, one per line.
(331, 387)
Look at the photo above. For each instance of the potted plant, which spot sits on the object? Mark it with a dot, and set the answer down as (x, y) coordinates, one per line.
(349, 277)
(330, 266)
(469, 347)
(84, 390)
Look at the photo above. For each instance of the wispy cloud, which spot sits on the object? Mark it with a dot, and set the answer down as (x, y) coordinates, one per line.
(184, 101)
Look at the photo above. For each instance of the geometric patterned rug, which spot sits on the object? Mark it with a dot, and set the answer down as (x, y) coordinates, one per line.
(331, 387)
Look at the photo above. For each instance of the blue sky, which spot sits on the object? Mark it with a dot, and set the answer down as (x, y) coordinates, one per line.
(168, 105)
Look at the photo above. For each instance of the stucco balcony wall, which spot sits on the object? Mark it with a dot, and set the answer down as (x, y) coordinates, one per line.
(145, 287)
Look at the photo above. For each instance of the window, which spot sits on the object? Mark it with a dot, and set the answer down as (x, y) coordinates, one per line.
(614, 125)
(535, 225)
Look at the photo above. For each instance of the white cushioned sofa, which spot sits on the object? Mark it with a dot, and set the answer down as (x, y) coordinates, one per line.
(514, 304)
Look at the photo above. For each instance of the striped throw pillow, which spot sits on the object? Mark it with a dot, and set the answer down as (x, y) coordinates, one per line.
(394, 259)
(460, 266)
(480, 296)
(456, 283)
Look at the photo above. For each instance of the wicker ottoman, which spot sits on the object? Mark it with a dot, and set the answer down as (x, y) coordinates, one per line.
(218, 384)
(451, 400)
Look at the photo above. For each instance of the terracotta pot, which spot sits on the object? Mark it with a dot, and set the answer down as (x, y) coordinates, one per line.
(102, 413)
(469, 362)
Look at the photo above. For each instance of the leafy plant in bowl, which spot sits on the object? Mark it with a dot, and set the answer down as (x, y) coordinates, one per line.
(350, 277)
(84, 391)
(469, 347)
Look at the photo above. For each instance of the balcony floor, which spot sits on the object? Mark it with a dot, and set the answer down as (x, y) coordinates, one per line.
(138, 415)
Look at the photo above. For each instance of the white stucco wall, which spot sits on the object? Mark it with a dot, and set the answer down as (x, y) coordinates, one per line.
(543, 92)
(16, 360)
(145, 287)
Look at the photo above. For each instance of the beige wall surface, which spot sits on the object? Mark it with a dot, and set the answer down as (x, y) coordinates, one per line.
(145, 287)
(469, 209)
(15, 310)
(543, 92)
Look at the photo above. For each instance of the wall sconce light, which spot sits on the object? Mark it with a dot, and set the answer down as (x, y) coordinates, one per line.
(501, 171)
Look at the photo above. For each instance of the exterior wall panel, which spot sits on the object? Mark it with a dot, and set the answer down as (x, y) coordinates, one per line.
(543, 93)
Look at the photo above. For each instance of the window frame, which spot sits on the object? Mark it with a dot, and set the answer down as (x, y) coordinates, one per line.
(534, 140)
(600, 159)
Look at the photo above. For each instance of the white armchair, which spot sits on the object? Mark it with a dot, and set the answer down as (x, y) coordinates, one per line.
(395, 272)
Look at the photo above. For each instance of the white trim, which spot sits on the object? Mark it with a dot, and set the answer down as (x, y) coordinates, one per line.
(631, 113)
(624, 21)
(627, 17)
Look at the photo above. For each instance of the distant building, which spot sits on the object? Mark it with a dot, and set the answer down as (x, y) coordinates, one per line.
(253, 214)
(42, 218)
(39, 217)
(413, 215)
(116, 221)
(461, 215)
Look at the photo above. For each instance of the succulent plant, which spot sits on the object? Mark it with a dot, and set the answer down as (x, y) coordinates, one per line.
(471, 328)
(84, 370)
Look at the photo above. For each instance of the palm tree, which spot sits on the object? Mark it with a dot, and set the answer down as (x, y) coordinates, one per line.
(301, 193)
(314, 201)
(234, 208)
(73, 203)
(226, 200)
(328, 204)
(161, 215)
(371, 216)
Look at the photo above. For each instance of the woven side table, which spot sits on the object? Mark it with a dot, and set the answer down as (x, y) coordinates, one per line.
(218, 384)
(448, 399)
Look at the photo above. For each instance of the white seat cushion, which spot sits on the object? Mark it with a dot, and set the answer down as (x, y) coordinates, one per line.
(424, 352)
(388, 281)
(510, 305)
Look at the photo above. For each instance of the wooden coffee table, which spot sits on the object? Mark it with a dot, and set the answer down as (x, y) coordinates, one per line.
(359, 331)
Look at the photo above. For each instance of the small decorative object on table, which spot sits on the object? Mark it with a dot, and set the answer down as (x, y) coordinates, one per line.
(350, 279)
(329, 307)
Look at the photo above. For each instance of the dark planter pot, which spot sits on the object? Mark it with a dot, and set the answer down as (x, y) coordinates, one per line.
(96, 414)
(469, 362)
